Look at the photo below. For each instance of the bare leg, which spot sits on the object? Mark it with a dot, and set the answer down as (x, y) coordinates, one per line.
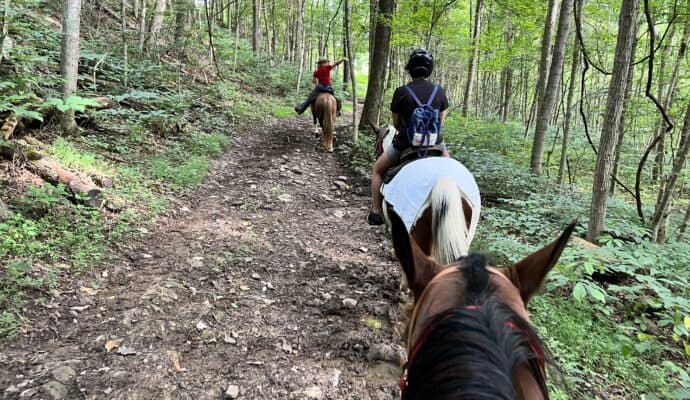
(380, 167)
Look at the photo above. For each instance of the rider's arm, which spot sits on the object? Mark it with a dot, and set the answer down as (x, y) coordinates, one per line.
(443, 115)
(396, 120)
(342, 60)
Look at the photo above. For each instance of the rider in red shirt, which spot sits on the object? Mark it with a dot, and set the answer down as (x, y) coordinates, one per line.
(322, 80)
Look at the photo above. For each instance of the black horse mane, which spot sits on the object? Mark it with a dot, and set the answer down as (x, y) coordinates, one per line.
(472, 352)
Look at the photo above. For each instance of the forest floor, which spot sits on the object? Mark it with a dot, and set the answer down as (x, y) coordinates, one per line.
(266, 282)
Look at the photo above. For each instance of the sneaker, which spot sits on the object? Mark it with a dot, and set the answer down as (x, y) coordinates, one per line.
(374, 218)
(297, 110)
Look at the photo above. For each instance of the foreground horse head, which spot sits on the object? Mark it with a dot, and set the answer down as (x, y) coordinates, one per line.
(323, 111)
(469, 336)
(438, 199)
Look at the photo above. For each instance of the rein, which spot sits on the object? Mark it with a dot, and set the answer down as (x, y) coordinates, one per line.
(413, 348)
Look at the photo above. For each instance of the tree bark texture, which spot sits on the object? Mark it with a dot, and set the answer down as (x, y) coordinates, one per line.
(472, 66)
(70, 58)
(664, 203)
(142, 25)
(377, 69)
(156, 24)
(299, 41)
(569, 110)
(350, 55)
(547, 103)
(256, 26)
(627, 26)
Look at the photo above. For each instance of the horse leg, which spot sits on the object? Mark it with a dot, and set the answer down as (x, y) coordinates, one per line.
(421, 233)
(316, 127)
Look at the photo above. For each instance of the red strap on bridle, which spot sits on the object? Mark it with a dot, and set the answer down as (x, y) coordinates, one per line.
(533, 344)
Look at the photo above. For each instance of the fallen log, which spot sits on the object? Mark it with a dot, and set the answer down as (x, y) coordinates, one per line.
(51, 171)
(101, 180)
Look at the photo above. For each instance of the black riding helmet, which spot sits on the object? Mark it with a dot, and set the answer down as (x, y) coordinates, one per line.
(420, 63)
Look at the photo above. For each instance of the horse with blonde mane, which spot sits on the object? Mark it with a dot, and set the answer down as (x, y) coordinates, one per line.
(323, 111)
(436, 197)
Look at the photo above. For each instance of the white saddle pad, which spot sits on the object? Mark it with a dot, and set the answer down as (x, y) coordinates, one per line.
(408, 191)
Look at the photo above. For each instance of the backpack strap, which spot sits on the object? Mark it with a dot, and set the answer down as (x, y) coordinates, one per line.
(433, 94)
(414, 96)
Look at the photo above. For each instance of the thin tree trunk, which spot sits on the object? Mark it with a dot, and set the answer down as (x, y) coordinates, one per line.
(554, 82)
(70, 59)
(136, 8)
(545, 60)
(180, 18)
(664, 204)
(256, 26)
(350, 56)
(568, 109)
(123, 27)
(684, 224)
(142, 25)
(471, 69)
(377, 69)
(627, 26)
(156, 24)
(346, 66)
(299, 38)
(668, 101)
(621, 124)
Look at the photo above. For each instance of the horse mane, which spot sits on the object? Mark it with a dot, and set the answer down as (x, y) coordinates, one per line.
(472, 352)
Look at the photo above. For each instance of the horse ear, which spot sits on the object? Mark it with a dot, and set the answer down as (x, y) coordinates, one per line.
(418, 268)
(528, 274)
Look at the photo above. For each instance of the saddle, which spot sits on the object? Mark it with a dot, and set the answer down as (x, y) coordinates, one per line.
(410, 155)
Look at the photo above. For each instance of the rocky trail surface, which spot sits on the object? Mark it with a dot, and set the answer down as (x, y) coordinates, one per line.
(264, 283)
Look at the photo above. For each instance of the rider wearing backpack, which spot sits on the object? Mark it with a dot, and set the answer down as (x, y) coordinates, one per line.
(418, 110)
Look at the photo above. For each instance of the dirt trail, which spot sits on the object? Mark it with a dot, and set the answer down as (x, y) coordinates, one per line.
(247, 289)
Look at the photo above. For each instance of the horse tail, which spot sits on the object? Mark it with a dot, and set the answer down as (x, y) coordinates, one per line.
(453, 221)
(328, 121)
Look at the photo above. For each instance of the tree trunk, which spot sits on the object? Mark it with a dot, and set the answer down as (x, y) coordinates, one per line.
(627, 26)
(621, 124)
(123, 27)
(351, 57)
(668, 101)
(569, 109)
(684, 224)
(256, 26)
(373, 7)
(554, 82)
(545, 60)
(664, 203)
(346, 66)
(299, 39)
(136, 8)
(181, 7)
(5, 28)
(377, 69)
(156, 24)
(473, 59)
(142, 25)
(69, 62)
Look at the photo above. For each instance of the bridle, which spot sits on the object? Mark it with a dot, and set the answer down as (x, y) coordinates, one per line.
(413, 348)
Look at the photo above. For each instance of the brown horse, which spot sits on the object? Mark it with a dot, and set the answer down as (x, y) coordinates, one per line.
(323, 110)
(469, 335)
(444, 223)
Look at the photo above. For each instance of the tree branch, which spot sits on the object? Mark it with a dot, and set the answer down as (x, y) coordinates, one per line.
(667, 120)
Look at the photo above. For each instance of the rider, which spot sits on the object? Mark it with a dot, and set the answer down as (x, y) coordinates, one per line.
(419, 66)
(323, 82)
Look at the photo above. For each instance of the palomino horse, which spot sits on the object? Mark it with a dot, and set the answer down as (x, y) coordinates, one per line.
(323, 111)
(469, 335)
(437, 198)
